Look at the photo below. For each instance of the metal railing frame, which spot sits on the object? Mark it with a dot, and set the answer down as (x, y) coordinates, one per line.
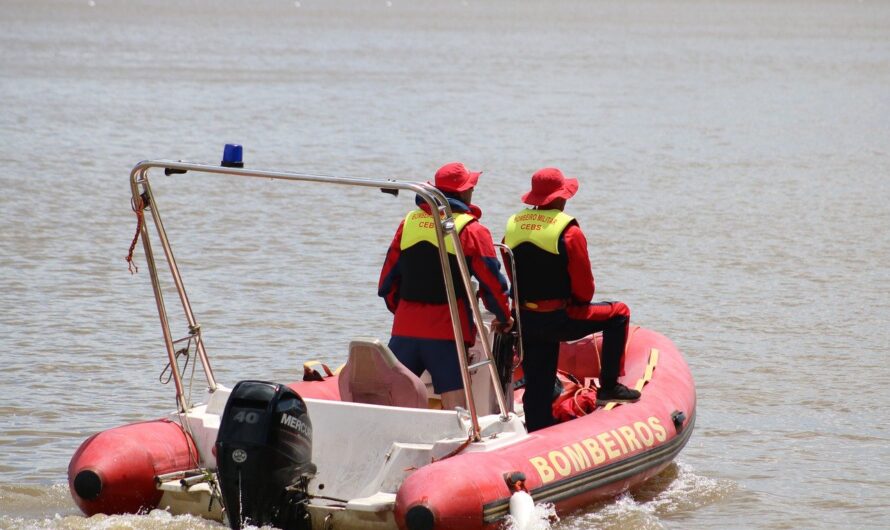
(445, 227)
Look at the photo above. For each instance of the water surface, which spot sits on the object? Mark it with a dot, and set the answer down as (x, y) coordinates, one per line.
(733, 164)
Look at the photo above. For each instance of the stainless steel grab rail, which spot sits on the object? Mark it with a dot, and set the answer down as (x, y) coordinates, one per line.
(517, 323)
(445, 227)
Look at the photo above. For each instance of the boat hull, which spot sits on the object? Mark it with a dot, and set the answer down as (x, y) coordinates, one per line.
(572, 464)
(113, 472)
(569, 465)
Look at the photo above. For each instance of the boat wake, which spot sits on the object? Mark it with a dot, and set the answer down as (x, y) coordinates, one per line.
(543, 518)
(155, 520)
(676, 490)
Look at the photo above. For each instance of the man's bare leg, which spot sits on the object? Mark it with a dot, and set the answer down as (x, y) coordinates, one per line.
(453, 398)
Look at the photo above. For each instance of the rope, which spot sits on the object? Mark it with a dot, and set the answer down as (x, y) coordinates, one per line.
(460, 448)
(195, 457)
(577, 405)
(138, 206)
(186, 351)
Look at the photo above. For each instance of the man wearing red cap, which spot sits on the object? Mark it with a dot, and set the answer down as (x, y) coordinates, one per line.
(556, 286)
(412, 285)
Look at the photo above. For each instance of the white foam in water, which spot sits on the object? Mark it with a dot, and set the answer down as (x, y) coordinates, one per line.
(690, 490)
(542, 518)
(522, 508)
(687, 491)
(154, 520)
(625, 509)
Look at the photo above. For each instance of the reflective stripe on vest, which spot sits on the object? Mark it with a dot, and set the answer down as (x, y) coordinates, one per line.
(541, 228)
(419, 227)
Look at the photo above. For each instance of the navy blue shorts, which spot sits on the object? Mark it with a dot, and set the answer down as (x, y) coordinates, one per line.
(438, 357)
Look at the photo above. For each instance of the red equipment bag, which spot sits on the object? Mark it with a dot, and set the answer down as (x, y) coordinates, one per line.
(577, 398)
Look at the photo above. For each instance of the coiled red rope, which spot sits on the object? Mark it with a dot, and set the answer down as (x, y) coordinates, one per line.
(139, 208)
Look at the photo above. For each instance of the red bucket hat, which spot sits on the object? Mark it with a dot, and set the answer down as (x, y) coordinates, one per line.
(549, 184)
(454, 177)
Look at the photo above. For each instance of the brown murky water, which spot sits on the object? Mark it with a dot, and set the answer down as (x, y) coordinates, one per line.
(733, 158)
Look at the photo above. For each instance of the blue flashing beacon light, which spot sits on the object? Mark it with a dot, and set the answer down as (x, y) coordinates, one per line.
(232, 156)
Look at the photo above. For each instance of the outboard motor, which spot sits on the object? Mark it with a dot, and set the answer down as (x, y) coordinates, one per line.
(263, 455)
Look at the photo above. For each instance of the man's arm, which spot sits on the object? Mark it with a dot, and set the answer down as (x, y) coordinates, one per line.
(580, 273)
(390, 275)
(484, 265)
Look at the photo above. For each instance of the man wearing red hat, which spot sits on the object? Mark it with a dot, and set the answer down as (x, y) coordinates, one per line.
(412, 285)
(556, 286)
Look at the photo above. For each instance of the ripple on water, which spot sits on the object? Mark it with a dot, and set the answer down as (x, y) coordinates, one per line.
(29, 507)
(676, 490)
(25, 505)
(154, 520)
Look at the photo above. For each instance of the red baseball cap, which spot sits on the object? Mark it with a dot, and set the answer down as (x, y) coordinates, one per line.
(454, 177)
(549, 184)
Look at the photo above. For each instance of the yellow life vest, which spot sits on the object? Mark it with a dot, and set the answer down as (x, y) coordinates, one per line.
(419, 227)
(542, 228)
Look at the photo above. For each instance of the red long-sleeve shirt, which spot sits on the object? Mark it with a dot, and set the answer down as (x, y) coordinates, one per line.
(433, 321)
(580, 272)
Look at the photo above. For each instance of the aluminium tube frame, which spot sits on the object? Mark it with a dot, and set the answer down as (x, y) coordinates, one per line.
(514, 284)
(432, 196)
(139, 177)
(446, 223)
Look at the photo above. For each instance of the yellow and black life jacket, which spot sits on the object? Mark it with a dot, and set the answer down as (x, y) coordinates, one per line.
(541, 269)
(419, 262)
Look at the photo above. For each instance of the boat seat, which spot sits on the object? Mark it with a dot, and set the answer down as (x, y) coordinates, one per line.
(373, 375)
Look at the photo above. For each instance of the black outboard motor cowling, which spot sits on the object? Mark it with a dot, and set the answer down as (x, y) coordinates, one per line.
(263, 455)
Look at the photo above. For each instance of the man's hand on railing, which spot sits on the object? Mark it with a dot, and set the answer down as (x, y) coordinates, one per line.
(502, 327)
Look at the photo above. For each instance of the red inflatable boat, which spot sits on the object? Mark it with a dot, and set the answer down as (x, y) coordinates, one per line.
(369, 446)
